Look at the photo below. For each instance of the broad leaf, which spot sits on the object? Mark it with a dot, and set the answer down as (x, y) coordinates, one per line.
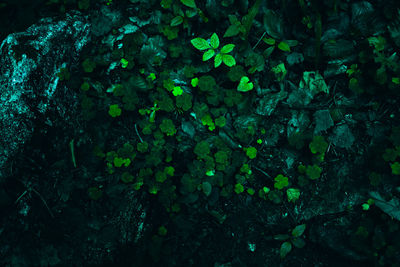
(189, 3)
(232, 31)
(176, 21)
(286, 247)
(200, 43)
(229, 60)
(298, 230)
(245, 84)
(284, 46)
(214, 41)
(208, 54)
(217, 60)
(227, 48)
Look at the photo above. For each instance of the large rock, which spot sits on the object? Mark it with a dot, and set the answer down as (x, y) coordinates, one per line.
(29, 84)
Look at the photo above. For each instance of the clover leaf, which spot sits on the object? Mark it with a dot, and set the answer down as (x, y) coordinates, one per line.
(293, 194)
(281, 181)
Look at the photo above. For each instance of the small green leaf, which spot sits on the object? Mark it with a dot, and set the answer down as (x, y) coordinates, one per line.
(229, 60)
(189, 3)
(176, 21)
(267, 52)
(298, 242)
(200, 43)
(214, 41)
(208, 54)
(298, 230)
(286, 247)
(293, 194)
(269, 41)
(284, 47)
(227, 48)
(217, 60)
(232, 30)
(245, 84)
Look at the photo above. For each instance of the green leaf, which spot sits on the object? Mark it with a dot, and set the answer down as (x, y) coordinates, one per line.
(214, 41)
(298, 242)
(268, 51)
(217, 60)
(298, 230)
(189, 3)
(227, 48)
(232, 30)
(286, 247)
(176, 21)
(229, 60)
(269, 41)
(284, 47)
(245, 84)
(200, 43)
(208, 54)
(293, 194)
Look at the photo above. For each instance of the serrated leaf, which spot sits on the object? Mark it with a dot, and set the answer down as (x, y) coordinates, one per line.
(189, 3)
(229, 60)
(232, 30)
(227, 48)
(208, 54)
(200, 43)
(286, 247)
(214, 41)
(176, 21)
(298, 230)
(217, 60)
(284, 47)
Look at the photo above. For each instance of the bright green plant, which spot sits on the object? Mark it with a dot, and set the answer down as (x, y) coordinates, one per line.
(114, 111)
(293, 194)
(151, 111)
(245, 84)
(395, 168)
(281, 181)
(212, 50)
(318, 145)
(206, 120)
(251, 152)
(239, 188)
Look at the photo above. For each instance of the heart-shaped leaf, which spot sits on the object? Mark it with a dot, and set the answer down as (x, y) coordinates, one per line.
(245, 84)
